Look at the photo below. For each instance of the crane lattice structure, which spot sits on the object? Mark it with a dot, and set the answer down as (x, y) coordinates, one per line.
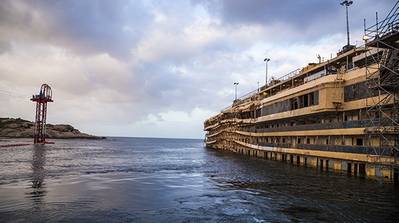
(382, 74)
(41, 99)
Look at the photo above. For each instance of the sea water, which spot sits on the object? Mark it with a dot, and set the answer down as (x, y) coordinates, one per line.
(177, 180)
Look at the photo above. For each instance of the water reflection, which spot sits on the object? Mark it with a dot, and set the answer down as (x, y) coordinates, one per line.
(38, 172)
(153, 180)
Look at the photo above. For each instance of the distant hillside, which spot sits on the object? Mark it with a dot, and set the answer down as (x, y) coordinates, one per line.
(19, 128)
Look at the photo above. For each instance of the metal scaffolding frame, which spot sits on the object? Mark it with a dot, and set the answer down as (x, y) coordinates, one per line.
(382, 76)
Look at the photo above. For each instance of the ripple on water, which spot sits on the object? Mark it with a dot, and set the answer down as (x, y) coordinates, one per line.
(157, 180)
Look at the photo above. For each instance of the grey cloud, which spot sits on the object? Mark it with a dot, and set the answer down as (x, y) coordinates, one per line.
(86, 27)
(4, 46)
(299, 12)
(306, 19)
(131, 85)
(207, 74)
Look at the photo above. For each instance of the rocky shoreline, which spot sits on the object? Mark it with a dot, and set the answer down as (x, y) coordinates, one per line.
(19, 128)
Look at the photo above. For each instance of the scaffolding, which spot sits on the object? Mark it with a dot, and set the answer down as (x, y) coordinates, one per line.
(382, 77)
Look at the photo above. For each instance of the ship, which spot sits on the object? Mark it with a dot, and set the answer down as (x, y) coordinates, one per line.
(340, 114)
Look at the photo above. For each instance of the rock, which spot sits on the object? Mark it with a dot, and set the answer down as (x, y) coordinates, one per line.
(19, 128)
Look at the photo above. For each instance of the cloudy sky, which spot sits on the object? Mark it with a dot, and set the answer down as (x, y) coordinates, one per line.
(159, 68)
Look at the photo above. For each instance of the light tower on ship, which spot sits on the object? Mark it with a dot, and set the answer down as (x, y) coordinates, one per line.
(348, 46)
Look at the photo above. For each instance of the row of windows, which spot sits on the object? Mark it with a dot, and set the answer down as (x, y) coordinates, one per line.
(358, 91)
(352, 92)
(302, 101)
(352, 141)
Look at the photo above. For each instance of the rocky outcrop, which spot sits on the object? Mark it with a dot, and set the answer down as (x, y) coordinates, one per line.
(19, 128)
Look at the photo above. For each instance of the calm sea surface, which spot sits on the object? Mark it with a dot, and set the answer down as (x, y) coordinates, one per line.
(175, 180)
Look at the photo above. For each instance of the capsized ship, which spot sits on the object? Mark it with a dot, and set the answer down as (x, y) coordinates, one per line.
(341, 114)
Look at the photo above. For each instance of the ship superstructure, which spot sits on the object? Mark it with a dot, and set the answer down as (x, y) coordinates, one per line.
(341, 114)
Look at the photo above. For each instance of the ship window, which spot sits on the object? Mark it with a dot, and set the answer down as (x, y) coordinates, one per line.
(311, 98)
(358, 91)
(291, 104)
(308, 141)
(376, 114)
(299, 140)
(305, 101)
(300, 99)
(359, 142)
(316, 98)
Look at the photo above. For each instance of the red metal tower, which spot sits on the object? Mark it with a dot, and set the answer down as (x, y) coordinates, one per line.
(41, 100)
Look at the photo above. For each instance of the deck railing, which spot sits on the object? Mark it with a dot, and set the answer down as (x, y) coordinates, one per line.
(318, 126)
(252, 93)
(334, 148)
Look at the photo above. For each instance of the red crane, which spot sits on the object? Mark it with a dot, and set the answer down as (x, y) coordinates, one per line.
(41, 100)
